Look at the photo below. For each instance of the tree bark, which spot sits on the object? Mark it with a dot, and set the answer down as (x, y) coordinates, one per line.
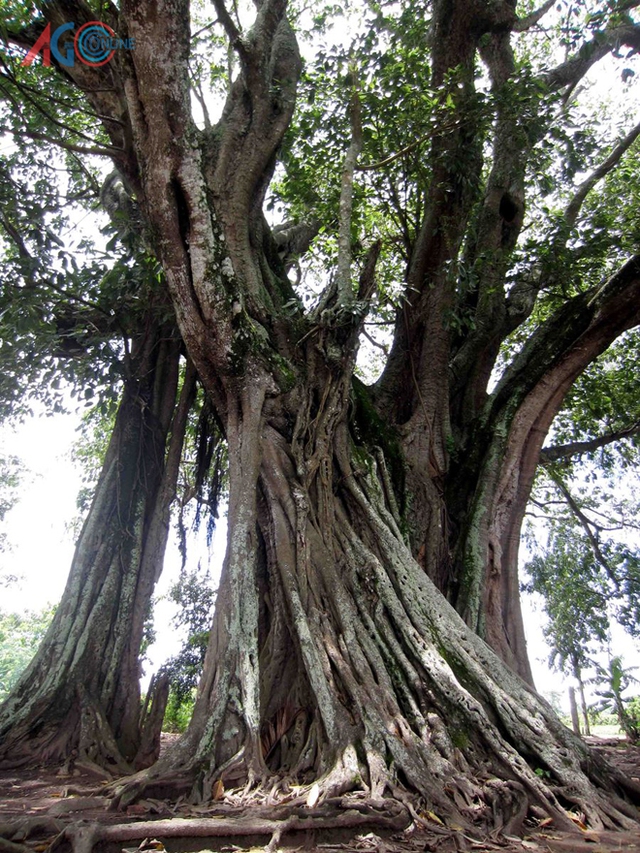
(79, 699)
(333, 657)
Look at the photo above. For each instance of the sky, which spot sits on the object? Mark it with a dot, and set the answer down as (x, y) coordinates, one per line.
(41, 546)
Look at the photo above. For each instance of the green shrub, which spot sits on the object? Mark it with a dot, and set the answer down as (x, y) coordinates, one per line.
(179, 711)
(20, 636)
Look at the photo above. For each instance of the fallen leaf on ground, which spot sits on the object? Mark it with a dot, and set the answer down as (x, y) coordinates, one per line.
(432, 816)
(151, 844)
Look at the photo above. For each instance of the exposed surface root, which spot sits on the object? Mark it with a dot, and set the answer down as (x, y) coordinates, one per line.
(12, 847)
(25, 827)
(83, 739)
(392, 816)
(279, 816)
(124, 792)
(477, 802)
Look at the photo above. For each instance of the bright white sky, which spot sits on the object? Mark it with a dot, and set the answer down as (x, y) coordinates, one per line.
(40, 542)
(40, 546)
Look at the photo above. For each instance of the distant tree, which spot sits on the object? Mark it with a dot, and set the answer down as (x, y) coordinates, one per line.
(575, 604)
(586, 500)
(11, 472)
(194, 595)
(614, 680)
(20, 636)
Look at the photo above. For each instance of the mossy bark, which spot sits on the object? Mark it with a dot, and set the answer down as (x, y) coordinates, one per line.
(334, 658)
(79, 699)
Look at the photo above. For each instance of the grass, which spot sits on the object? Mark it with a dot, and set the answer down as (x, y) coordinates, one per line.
(609, 730)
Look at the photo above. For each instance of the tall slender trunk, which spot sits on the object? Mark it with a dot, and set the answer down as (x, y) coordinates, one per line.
(573, 705)
(80, 696)
(584, 710)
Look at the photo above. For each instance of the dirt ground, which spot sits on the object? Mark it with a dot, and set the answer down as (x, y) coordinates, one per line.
(44, 811)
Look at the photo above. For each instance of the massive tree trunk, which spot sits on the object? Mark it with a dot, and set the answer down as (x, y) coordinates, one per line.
(80, 696)
(333, 657)
(359, 516)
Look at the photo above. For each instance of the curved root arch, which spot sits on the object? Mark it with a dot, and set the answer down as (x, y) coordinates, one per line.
(368, 678)
(406, 691)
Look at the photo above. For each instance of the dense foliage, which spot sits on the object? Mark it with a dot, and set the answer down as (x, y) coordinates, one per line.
(20, 636)
(194, 596)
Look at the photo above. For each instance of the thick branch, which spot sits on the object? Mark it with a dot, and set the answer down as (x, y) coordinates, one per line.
(501, 219)
(580, 330)
(241, 149)
(420, 354)
(574, 69)
(498, 226)
(548, 455)
(228, 23)
(508, 444)
(523, 294)
(524, 24)
(531, 393)
(573, 208)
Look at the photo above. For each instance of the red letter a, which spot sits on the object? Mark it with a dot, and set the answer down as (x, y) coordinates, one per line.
(42, 44)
